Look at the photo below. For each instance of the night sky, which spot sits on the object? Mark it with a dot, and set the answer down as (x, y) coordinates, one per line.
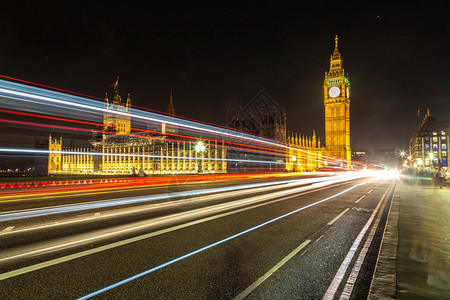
(216, 56)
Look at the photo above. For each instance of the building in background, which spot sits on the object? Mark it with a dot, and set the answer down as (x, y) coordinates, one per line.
(120, 149)
(386, 158)
(428, 148)
(262, 116)
(265, 117)
(360, 155)
(336, 93)
(304, 153)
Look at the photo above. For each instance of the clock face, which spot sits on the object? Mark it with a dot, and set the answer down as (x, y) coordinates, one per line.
(334, 92)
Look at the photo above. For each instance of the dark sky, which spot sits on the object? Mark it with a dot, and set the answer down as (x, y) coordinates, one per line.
(216, 55)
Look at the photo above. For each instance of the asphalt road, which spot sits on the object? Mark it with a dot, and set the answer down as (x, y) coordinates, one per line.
(295, 240)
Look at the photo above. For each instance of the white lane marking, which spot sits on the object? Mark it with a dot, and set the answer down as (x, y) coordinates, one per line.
(8, 229)
(70, 257)
(360, 198)
(331, 291)
(370, 191)
(261, 279)
(338, 216)
(348, 288)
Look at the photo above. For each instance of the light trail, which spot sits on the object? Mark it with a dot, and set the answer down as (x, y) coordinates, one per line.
(194, 197)
(145, 117)
(94, 107)
(33, 98)
(110, 287)
(13, 150)
(135, 200)
(273, 151)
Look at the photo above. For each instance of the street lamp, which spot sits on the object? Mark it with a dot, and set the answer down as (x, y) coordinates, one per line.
(294, 159)
(200, 149)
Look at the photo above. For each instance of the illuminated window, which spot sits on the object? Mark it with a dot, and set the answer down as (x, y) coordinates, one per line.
(444, 146)
(435, 139)
(435, 146)
(434, 133)
(444, 161)
(427, 146)
(444, 153)
(442, 132)
(443, 138)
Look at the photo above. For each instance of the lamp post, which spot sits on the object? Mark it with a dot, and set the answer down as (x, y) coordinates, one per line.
(200, 149)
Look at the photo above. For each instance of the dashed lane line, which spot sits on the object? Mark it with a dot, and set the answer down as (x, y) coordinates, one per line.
(8, 229)
(261, 279)
(360, 198)
(338, 216)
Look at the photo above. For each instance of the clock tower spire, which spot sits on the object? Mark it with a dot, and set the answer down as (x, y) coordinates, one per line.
(336, 93)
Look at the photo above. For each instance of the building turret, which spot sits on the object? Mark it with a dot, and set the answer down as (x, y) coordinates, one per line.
(171, 108)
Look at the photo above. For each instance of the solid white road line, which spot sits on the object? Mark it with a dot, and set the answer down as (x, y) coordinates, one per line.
(338, 216)
(348, 288)
(254, 285)
(331, 291)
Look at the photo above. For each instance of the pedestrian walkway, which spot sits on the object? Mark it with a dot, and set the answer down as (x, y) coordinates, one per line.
(414, 261)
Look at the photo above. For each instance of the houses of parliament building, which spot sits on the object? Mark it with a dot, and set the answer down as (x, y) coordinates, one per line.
(123, 152)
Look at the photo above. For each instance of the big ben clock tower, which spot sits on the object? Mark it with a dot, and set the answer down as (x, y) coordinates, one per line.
(336, 96)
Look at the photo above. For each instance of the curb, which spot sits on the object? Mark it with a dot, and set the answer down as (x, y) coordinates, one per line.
(384, 281)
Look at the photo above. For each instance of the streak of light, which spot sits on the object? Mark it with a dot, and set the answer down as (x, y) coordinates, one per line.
(134, 200)
(14, 150)
(110, 287)
(234, 192)
(271, 151)
(171, 121)
(52, 99)
(177, 218)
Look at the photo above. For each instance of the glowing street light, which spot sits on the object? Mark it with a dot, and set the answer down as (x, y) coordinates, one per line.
(200, 149)
(294, 159)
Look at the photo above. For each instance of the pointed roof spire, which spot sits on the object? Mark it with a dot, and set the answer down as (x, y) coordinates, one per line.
(336, 51)
(116, 86)
(171, 108)
(116, 99)
(128, 100)
(336, 66)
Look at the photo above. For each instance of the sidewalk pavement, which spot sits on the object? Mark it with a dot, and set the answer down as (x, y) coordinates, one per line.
(414, 260)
